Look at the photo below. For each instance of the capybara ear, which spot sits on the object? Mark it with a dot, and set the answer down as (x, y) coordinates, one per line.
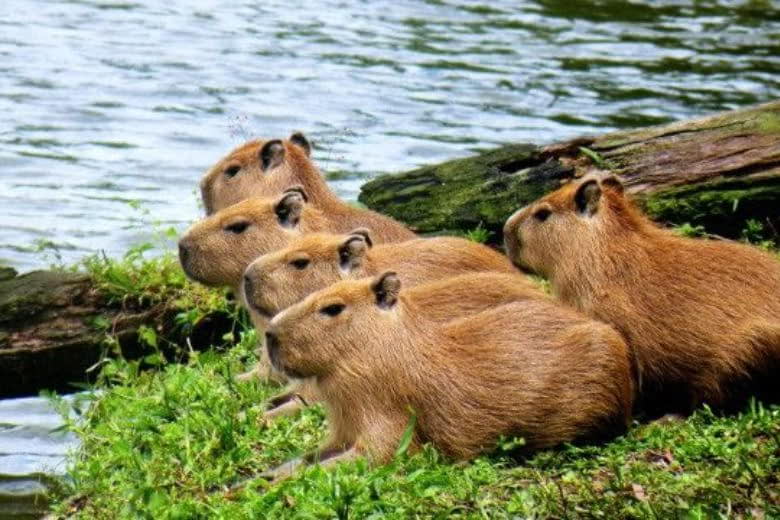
(299, 139)
(352, 251)
(386, 287)
(587, 197)
(289, 208)
(271, 154)
(299, 189)
(365, 233)
(613, 183)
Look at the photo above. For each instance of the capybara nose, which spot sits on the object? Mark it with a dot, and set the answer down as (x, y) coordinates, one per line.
(184, 253)
(272, 344)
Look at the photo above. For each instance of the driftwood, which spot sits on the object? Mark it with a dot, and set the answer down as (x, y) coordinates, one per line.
(54, 326)
(717, 171)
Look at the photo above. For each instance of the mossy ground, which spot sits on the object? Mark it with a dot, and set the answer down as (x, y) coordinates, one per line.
(167, 441)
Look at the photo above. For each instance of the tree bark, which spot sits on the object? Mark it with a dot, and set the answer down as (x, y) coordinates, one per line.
(717, 171)
(54, 327)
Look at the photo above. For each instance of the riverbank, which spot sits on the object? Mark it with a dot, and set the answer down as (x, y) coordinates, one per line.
(166, 439)
(167, 442)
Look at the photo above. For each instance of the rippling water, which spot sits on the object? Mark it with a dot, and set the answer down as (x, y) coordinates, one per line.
(31, 447)
(105, 102)
(109, 102)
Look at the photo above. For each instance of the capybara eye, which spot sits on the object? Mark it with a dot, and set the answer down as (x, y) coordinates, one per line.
(238, 227)
(542, 214)
(332, 310)
(300, 263)
(231, 171)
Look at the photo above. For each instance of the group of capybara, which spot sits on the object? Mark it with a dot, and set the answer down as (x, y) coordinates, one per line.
(388, 329)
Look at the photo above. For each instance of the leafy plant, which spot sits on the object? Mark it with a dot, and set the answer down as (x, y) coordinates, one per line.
(688, 230)
(478, 234)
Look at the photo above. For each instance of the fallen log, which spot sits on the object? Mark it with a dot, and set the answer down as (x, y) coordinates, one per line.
(55, 325)
(717, 172)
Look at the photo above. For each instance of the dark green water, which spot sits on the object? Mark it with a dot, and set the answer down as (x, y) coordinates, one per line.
(107, 102)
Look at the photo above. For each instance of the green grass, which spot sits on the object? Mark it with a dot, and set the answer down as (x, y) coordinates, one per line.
(165, 443)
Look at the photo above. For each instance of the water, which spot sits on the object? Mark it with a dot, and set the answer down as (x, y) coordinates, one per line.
(31, 449)
(109, 102)
(105, 102)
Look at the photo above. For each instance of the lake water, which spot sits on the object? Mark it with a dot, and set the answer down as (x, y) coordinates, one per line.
(106, 102)
(111, 104)
(31, 449)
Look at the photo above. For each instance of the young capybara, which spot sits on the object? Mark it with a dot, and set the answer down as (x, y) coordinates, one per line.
(313, 261)
(216, 250)
(702, 317)
(532, 368)
(265, 168)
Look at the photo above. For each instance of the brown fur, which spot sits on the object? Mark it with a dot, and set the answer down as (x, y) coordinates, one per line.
(293, 167)
(702, 316)
(530, 368)
(213, 255)
(274, 281)
(314, 261)
(445, 299)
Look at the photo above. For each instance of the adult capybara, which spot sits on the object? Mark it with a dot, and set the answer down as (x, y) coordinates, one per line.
(266, 168)
(313, 261)
(444, 298)
(701, 316)
(532, 368)
(216, 250)
(262, 168)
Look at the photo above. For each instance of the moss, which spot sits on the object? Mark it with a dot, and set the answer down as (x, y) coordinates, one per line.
(7, 273)
(768, 122)
(465, 193)
(722, 207)
(29, 294)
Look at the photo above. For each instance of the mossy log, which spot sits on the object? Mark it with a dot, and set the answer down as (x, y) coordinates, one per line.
(54, 326)
(717, 171)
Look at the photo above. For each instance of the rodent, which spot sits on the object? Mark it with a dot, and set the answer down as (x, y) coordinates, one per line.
(701, 316)
(266, 168)
(216, 250)
(530, 368)
(313, 261)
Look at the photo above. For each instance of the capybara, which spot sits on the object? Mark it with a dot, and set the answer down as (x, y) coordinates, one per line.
(313, 261)
(265, 168)
(443, 298)
(216, 250)
(701, 316)
(533, 369)
(262, 168)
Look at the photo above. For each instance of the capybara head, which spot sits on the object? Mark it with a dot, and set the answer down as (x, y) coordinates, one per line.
(258, 168)
(581, 215)
(217, 250)
(309, 263)
(329, 328)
